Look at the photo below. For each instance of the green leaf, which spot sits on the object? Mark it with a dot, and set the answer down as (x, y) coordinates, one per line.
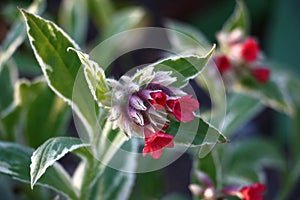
(49, 152)
(15, 161)
(208, 166)
(245, 160)
(10, 123)
(197, 133)
(273, 93)
(116, 184)
(241, 109)
(50, 45)
(148, 185)
(125, 19)
(101, 12)
(183, 67)
(239, 19)
(95, 78)
(27, 64)
(187, 38)
(61, 68)
(16, 35)
(47, 110)
(73, 17)
(34, 103)
(8, 76)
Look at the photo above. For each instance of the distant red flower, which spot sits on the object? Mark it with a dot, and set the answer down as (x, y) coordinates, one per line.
(183, 108)
(253, 192)
(250, 50)
(155, 142)
(261, 74)
(223, 63)
(158, 100)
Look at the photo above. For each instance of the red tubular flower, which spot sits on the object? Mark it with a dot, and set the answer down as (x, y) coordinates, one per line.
(155, 142)
(250, 50)
(183, 108)
(261, 74)
(158, 100)
(222, 63)
(253, 192)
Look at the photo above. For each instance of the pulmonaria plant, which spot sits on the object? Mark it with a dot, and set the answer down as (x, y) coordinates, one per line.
(144, 104)
(240, 56)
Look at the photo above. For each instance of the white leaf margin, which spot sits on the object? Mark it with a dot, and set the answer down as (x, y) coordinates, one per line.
(34, 177)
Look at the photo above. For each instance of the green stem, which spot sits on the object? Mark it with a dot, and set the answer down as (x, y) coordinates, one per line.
(218, 167)
(92, 172)
(94, 168)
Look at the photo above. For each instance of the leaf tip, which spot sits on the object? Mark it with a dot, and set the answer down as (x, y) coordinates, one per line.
(22, 11)
(32, 178)
(223, 140)
(210, 52)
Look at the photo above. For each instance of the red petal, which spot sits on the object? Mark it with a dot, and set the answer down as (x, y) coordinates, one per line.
(163, 140)
(156, 142)
(145, 150)
(184, 107)
(158, 100)
(222, 63)
(261, 74)
(171, 103)
(250, 50)
(156, 154)
(253, 192)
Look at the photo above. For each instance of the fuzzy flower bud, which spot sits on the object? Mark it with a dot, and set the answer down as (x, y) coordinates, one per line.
(143, 105)
(250, 50)
(261, 74)
(223, 63)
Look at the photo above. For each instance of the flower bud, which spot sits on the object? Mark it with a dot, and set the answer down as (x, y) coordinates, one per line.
(196, 189)
(136, 102)
(261, 74)
(222, 63)
(250, 50)
(139, 117)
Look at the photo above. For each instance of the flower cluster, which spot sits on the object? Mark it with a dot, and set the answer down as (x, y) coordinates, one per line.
(240, 56)
(144, 104)
(208, 192)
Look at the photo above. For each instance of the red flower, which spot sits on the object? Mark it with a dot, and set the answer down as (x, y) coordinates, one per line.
(253, 192)
(250, 50)
(261, 74)
(155, 142)
(183, 108)
(222, 63)
(158, 100)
